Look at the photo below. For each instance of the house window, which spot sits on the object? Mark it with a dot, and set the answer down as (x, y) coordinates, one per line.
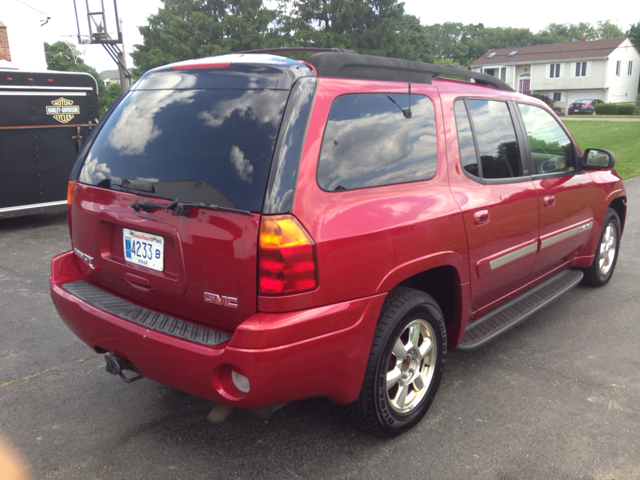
(618, 67)
(630, 70)
(499, 72)
(581, 69)
(554, 70)
(557, 96)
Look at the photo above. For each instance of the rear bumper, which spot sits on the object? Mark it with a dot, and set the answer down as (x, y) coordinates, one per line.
(286, 356)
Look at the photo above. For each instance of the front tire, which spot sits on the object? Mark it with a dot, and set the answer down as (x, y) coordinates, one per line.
(405, 364)
(604, 263)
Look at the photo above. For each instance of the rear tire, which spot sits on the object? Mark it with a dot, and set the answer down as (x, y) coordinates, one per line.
(604, 263)
(405, 364)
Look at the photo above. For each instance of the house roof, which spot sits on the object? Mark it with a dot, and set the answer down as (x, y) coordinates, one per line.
(107, 74)
(554, 51)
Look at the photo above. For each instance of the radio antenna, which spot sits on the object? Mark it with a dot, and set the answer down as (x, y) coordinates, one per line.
(407, 111)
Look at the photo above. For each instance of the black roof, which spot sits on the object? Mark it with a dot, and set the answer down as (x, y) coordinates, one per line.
(369, 67)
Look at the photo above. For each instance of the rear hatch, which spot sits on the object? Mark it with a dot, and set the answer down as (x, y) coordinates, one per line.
(201, 135)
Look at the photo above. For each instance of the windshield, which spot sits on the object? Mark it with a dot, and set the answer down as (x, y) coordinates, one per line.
(204, 146)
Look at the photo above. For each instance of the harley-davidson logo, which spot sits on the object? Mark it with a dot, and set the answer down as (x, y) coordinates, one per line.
(63, 110)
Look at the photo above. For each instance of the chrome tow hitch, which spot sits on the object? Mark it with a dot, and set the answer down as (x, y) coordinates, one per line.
(116, 366)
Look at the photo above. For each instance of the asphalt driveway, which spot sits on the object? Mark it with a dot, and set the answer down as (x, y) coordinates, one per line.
(558, 397)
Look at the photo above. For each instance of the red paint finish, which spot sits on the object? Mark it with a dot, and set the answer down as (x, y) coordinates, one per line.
(208, 251)
(572, 203)
(279, 353)
(365, 243)
(362, 235)
(512, 210)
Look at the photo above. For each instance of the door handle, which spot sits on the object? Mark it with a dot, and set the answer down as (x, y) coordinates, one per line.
(481, 217)
(549, 201)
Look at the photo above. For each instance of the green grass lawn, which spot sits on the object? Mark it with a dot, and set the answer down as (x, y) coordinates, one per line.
(622, 138)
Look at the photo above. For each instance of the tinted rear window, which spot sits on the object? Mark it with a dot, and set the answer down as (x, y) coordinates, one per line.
(211, 146)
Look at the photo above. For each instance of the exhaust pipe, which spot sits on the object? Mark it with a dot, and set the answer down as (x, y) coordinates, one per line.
(115, 365)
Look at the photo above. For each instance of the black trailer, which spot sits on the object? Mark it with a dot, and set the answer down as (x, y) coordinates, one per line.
(44, 119)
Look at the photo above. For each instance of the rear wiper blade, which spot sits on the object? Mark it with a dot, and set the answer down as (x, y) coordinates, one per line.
(211, 206)
(138, 185)
(179, 208)
(148, 206)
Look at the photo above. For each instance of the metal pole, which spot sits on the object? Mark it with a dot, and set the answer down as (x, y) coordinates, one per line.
(125, 77)
(75, 7)
(118, 23)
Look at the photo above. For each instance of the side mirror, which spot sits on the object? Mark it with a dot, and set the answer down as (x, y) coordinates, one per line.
(598, 158)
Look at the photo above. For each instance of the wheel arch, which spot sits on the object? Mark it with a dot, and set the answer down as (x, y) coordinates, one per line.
(620, 206)
(444, 276)
(443, 284)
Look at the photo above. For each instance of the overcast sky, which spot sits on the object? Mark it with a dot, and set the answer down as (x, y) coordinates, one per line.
(25, 16)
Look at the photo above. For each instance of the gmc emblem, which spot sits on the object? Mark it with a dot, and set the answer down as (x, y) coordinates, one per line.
(221, 300)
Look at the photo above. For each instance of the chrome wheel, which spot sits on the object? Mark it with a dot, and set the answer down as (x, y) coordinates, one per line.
(411, 366)
(405, 364)
(607, 250)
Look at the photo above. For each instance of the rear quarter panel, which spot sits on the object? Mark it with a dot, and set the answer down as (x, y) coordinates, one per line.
(369, 240)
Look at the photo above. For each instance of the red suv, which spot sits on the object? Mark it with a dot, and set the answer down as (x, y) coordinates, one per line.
(255, 230)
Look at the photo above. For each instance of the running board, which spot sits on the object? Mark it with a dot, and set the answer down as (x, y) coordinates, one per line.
(517, 310)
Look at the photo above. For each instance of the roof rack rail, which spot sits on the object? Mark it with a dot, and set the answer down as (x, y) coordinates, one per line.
(339, 64)
(277, 51)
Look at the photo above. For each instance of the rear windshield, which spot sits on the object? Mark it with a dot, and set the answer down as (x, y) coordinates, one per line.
(205, 146)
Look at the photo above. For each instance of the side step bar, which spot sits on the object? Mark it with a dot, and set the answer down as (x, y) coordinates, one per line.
(517, 310)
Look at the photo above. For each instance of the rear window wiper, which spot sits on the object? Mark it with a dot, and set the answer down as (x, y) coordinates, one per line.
(137, 185)
(179, 208)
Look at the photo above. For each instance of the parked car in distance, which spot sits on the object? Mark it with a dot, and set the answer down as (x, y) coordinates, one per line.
(256, 230)
(584, 107)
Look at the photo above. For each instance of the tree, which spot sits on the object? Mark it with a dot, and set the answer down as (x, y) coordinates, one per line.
(634, 35)
(112, 92)
(606, 30)
(568, 32)
(184, 29)
(65, 57)
(414, 37)
(376, 27)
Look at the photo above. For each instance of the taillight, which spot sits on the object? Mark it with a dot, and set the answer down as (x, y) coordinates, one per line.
(71, 188)
(287, 261)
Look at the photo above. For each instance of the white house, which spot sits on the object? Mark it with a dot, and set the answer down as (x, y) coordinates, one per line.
(608, 70)
(110, 76)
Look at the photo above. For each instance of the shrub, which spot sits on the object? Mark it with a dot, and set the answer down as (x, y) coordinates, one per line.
(548, 100)
(626, 109)
(606, 109)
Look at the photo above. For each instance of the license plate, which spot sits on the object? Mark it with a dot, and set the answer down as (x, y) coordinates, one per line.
(143, 249)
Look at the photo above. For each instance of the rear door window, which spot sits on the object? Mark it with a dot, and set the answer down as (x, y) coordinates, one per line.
(209, 146)
(551, 147)
(369, 142)
(496, 143)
